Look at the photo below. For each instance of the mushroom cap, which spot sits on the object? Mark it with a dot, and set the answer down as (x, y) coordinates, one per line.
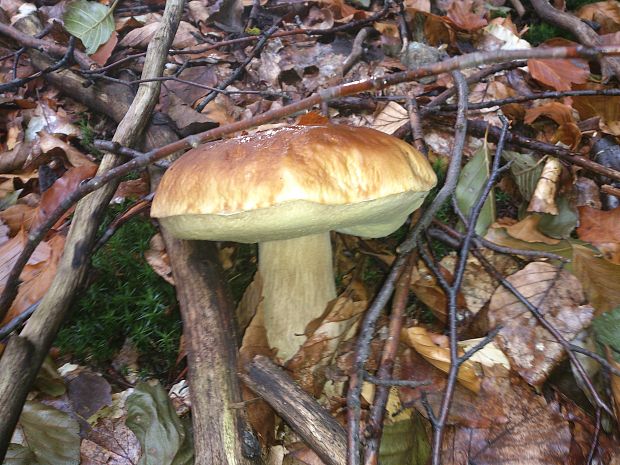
(291, 182)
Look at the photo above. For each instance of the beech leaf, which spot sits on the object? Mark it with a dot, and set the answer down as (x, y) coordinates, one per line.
(471, 182)
(91, 22)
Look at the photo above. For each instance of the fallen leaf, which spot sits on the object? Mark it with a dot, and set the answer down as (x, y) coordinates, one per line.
(601, 229)
(439, 356)
(338, 324)
(607, 108)
(467, 15)
(527, 230)
(543, 198)
(391, 118)
(103, 53)
(558, 295)
(427, 289)
(157, 257)
(558, 112)
(52, 197)
(54, 146)
(606, 14)
(559, 74)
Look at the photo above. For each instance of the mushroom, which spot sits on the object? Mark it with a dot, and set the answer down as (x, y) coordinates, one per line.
(286, 189)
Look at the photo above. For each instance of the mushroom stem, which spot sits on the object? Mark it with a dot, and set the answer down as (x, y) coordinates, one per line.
(298, 282)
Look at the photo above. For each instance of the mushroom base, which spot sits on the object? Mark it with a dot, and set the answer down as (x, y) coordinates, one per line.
(298, 283)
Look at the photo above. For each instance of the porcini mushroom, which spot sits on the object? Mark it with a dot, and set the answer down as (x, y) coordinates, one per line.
(286, 189)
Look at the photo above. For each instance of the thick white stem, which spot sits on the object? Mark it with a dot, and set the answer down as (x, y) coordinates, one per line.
(298, 282)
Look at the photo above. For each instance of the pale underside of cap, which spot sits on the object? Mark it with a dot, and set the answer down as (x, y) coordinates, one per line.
(292, 182)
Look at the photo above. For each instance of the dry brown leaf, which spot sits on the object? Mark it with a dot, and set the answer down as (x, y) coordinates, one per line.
(338, 324)
(531, 432)
(543, 198)
(558, 295)
(421, 340)
(391, 118)
(157, 257)
(602, 229)
(558, 112)
(527, 230)
(51, 198)
(37, 275)
(53, 145)
(478, 286)
(599, 277)
(559, 74)
(103, 53)
(606, 107)
(467, 15)
(427, 289)
(607, 14)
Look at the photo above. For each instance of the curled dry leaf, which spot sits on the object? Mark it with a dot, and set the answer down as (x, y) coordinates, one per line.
(439, 356)
(467, 15)
(157, 257)
(527, 230)
(478, 286)
(602, 229)
(338, 324)
(53, 145)
(427, 289)
(543, 199)
(558, 112)
(558, 295)
(36, 277)
(532, 432)
(559, 74)
(51, 198)
(606, 14)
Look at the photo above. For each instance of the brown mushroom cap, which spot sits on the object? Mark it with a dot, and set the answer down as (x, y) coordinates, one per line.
(292, 182)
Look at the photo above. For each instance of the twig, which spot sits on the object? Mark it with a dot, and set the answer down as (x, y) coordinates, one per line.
(65, 61)
(416, 125)
(394, 382)
(46, 46)
(461, 62)
(357, 51)
(584, 33)
(528, 98)
(25, 352)
(452, 295)
(610, 190)
(482, 242)
(372, 314)
(377, 412)
(518, 6)
(17, 321)
(240, 69)
(301, 411)
(480, 128)
(128, 214)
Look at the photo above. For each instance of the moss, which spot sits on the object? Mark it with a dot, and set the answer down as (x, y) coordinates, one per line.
(126, 299)
(541, 32)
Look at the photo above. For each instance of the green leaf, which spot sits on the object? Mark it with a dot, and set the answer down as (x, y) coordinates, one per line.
(561, 225)
(52, 435)
(526, 170)
(471, 182)
(19, 455)
(607, 330)
(91, 22)
(48, 380)
(404, 443)
(151, 416)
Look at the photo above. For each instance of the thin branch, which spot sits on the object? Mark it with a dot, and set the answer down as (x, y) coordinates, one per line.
(46, 46)
(460, 62)
(357, 51)
(377, 412)
(65, 61)
(240, 69)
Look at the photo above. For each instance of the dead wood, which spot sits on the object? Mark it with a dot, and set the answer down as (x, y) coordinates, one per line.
(25, 352)
(323, 434)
